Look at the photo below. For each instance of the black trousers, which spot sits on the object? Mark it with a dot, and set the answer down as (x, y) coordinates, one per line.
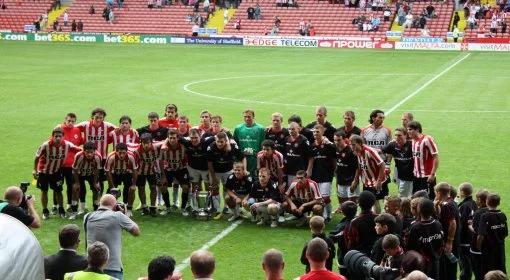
(465, 263)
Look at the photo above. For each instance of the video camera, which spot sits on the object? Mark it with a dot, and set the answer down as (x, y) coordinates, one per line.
(362, 267)
(120, 206)
(24, 188)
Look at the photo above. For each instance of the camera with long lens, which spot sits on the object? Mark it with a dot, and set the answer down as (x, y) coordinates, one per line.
(24, 188)
(119, 206)
(362, 267)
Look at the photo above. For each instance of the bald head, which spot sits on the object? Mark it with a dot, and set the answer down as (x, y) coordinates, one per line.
(13, 195)
(108, 200)
(202, 264)
(417, 275)
(272, 260)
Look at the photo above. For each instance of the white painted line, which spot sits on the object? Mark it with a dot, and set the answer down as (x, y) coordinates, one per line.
(186, 87)
(212, 242)
(457, 111)
(418, 90)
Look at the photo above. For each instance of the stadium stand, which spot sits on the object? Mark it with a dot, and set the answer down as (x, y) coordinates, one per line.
(438, 26)
(483, 28)
(21, 12)
(134, 17)
(328, 19)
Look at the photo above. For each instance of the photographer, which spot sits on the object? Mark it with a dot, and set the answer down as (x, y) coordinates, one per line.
(11, 206)
(106, 225)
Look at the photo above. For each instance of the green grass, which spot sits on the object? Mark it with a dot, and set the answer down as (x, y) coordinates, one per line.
(466, 110)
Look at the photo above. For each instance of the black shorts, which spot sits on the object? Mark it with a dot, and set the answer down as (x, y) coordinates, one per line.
(89, 179)
(53, 181)
(125, 179)
(152, 180)
(422, 184)
(102, 172)
(181, 176)
(67, 172)
(379, 194)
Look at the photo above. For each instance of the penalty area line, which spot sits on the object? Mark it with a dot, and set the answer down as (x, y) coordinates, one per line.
(185, 263)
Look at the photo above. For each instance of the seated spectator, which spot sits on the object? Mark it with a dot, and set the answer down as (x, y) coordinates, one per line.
(317, 228)
(111, 17)
(55, 25)
(387, 13)
(422, 22)
(73, 26)
(189, 18)
(206, 4)
(194, 30)
(494, 27)
(97, 258)
(367, 25)
(202, 264)
(311, 29)
(79, 26)
(277, 21)
(106, 12)
(302, 27)
(273, 264)
(92, 10)
(376, 21)
(237, 24)
(251, 12)
(109, 3)
(503, 27)
(409, 20)
(401, 16)
(3, 6)
(66, 260)
(455, 34)
(431, 11)
(275, 30)
(317, 254)
(472, 22)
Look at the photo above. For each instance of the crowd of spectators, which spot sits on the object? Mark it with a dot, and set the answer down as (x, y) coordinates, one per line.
(476, 14)
(367, 24)
(306, 28)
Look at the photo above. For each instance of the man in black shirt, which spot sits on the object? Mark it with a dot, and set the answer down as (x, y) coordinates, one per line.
(476, 255)
(321, 114)
(13, 198)
(221, 155)
(349, 128)
(157, 132)
(346, 166)
(362, 233)
(448, 216)
(238, 186)
(492, 232)
(467, 207)
(264, 200)
(400, 149)
(303, 130)
(426, 237)
(277, 133)
(296, 154)
(323, 167)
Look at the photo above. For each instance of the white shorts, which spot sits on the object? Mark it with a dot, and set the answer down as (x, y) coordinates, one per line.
(325, 189)
(345, 191)
(405, 188)
(197, 176)
(222, 177)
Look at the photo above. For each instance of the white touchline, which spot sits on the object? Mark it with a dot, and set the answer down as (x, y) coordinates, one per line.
(212, 242)
(412, 94)
(185, 263)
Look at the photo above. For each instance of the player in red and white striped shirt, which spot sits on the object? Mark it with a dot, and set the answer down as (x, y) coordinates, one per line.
(271, 159)
(426, 159)
(173, 157)
(49, 159)
(371, 169)
(149, 171)
(303, 196)
(86, 166)
(124, 134)
(120, 169)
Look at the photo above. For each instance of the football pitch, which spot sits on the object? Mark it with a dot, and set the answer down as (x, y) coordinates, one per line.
(461, 99)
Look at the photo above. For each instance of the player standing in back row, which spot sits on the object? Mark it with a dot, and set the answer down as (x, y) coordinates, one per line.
(249, 136)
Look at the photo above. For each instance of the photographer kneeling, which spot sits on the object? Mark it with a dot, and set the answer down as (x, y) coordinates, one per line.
(11, 206)
(106, 225)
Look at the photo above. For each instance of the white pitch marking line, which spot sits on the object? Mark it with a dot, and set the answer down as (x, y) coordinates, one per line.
(456, 111)
(186, 87)
(212, 242)
(418, 90)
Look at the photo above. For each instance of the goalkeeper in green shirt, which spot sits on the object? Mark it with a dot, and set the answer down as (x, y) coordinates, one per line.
(249, 136)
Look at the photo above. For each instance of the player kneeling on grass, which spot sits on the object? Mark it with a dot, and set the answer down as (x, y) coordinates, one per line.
(86, 166)
(48, 161)
(148, 171)
(120, 169)
(264, 200)
(238, 187)
(302, 197)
